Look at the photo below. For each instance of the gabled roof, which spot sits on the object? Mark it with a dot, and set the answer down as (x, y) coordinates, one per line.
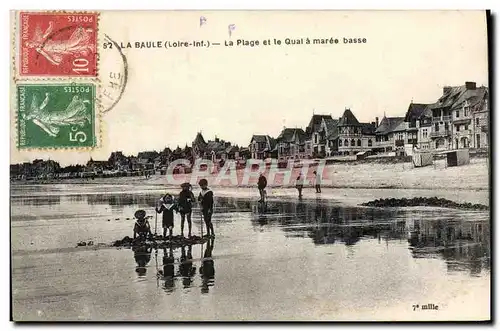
(315, 122)
(291, 134)
(216, 146)
(415, 110)
(332, 129)
(259, 138)
(455, 96)
(388, 124)
(232, 149)
(272, 142)
(348, 119)
(199, 140)
(400, 127)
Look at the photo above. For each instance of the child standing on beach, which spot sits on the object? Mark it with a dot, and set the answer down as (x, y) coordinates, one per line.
(167, 207)
(206, 199)
(186, 199)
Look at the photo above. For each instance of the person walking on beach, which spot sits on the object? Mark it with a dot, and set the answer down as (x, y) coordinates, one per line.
(206, 199)
(261, 184)
(299, 185)
(186, 198)
(317, 182)
(167, 207)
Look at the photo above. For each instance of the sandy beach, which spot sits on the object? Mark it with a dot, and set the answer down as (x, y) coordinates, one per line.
(474, 176)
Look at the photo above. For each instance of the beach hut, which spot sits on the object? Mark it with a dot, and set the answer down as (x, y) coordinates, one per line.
(361, 155)
(457, 157)
(422, 159)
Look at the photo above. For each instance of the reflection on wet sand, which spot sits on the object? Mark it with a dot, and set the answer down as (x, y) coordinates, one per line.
(48, 200)
(142, 256)
(207, 269)
(454, 236)
(186, 267)
(463, 245)
(166, 272)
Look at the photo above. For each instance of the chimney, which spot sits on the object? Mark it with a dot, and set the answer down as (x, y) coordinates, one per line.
(446, 89)
(470, 85)
(376, 122)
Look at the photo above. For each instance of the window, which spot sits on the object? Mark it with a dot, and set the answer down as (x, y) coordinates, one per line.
(446, 126)
(466, 111)
(458, 128)
(466, 126)
(436, 127)
(477, 121)
(424, 133)
(359, 142)
(478, 141)
(353, 143)
(369, 143)
(457, 113)
(346, 143)
(340, 142)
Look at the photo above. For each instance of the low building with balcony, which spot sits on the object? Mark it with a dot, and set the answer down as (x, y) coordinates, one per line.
(471, 105)
(418, 120)
(455, 117)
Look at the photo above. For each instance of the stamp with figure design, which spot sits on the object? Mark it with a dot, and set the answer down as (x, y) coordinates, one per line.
(56, 115)
(58, 44)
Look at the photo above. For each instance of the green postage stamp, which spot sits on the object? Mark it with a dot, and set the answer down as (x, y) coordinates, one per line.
(56, 115)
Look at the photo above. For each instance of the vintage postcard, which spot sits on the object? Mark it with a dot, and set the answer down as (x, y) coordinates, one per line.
(250, 166)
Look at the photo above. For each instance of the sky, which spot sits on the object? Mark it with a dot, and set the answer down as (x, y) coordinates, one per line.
(235, 92)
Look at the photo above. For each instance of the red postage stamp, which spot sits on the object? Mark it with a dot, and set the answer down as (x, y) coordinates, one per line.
(58, 44)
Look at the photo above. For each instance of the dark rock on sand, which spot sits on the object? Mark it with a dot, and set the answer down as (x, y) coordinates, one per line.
(420, 201)
(83, 243)
(160, 241)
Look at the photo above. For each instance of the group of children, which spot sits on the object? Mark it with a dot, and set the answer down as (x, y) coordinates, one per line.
(168, 206)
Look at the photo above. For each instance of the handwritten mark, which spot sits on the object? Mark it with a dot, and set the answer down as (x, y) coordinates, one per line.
(203, 20)
(231, 28)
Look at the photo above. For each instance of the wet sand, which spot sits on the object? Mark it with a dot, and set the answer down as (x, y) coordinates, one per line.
(317, 259)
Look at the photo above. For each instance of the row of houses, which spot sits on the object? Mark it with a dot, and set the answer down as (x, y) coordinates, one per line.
(458, 119)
